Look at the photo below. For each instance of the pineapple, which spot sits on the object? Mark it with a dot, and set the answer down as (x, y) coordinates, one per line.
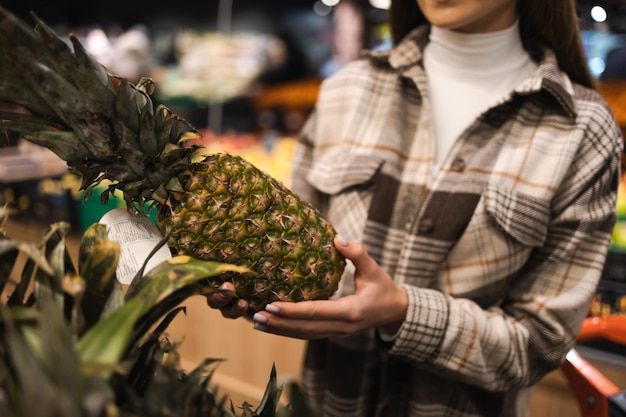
(217, 207)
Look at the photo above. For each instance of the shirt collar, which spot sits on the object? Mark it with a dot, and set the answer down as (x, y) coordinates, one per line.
(548, 77)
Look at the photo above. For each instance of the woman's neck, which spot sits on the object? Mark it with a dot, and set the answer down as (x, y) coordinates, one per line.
(499, 51)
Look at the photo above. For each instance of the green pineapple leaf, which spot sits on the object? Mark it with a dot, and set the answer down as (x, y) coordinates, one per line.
(8, 256)
(271, 398)
(109, 338)
(98, 258)
(190, 395)
(55, 251)
(298, 405)
(35, 261)
(42, 358)
(149, 354)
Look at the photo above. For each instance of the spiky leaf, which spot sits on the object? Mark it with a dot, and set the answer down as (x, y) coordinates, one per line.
(106, 342)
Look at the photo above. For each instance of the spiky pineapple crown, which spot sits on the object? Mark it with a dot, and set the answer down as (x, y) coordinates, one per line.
(105, 127)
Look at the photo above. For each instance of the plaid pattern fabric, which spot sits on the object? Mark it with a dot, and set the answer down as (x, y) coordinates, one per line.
(500, 250)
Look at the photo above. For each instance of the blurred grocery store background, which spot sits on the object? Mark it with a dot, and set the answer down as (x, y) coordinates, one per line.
(247, 72)
(248, 66)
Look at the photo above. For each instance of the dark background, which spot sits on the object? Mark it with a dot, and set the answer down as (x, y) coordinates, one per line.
(616, 10)
(76, 12)
(203, 14)
(177, 12)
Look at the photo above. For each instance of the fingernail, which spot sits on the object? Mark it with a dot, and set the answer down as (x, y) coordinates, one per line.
(260, 327)
(342, 241)
(272, 309)
(224, 286)
(259, 318)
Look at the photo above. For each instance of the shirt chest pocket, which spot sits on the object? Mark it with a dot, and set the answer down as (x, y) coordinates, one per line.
(334, 174)
(505, 229)
(346, 185)
(523, 217)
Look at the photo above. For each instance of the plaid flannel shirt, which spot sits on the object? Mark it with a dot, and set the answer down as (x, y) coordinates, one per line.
(500, 249)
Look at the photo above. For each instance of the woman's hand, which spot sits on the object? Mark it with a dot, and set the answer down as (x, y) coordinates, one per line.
(230, 306)
(377, 302)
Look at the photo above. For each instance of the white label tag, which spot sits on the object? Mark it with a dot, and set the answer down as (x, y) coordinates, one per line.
(137, 237)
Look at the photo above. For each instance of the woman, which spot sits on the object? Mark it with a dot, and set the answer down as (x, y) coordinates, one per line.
(471, 172)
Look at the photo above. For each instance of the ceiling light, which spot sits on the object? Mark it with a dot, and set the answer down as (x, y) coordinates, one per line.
(598, 14)
(381, 4)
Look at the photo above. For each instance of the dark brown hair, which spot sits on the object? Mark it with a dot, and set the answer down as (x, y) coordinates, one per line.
(551, 23)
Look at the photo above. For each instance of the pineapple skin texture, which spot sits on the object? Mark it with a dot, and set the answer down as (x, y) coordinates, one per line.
(232, 212)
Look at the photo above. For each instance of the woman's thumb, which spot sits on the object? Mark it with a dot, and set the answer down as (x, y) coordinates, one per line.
(356, 253)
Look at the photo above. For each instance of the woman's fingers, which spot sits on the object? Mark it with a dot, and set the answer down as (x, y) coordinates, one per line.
(311, 319)
(229, 305)
(219, 299)
(303, 333)
(302, 329)
(235, 309)
(339, 309)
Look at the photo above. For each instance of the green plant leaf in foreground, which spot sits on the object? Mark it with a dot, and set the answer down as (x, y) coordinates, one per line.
(98, 258)
(106, 342)
(271, 398)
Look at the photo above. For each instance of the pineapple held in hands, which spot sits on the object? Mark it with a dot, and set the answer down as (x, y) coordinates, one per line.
(218, 207)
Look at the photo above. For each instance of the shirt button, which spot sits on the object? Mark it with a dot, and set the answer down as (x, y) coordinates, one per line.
(426, 225)
(458, 165)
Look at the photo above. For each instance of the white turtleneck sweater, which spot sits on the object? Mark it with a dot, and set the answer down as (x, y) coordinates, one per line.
(467, 74)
